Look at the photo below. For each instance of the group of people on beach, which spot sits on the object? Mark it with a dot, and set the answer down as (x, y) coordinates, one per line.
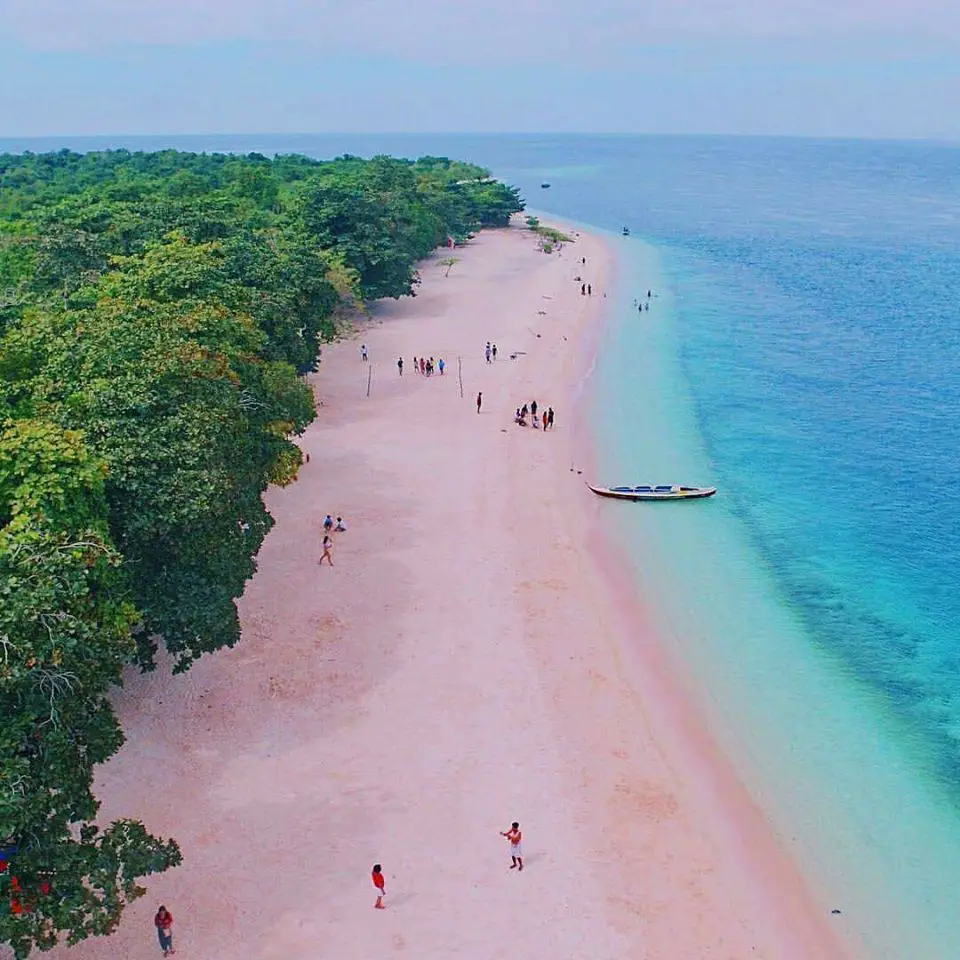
(490, 352)
(330, 527)
(539, 419)
(641, 305)
(513, 835)
(426, 366)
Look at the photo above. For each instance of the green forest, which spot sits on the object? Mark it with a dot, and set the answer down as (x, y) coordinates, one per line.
(158, 313)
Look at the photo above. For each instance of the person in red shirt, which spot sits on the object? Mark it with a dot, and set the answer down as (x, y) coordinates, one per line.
(380, 884)
(516, 851)
(163, 921)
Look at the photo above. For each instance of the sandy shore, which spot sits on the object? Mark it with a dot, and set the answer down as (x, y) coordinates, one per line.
(468, 661)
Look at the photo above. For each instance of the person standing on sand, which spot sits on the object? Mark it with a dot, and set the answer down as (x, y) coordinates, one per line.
(550, 417)
(516, 851)
(479, 401)
(583, 289)
(327, 550)
(589, 290)
(416, 368)
(363, 352)
(400, 365)
(494, 351)
(533, 408)
(163, 921)
(423, 366)
(486, 352)
(441, 365)
(377, 876)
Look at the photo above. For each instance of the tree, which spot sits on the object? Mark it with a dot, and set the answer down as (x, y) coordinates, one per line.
(156, 310)
(449, 263)
(65, 626)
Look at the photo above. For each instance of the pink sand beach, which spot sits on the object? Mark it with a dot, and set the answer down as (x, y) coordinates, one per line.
(469, 660)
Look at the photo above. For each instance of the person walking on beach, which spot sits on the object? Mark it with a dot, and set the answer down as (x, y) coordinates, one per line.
(441, 365)
(416, 368)
(589, 290)
(423, 366)
(400, 365)
(479, 401)
(533, 408)
(494, 351)
(583, 289)
(163, 921)
(516, 851)
(486, 352)
(550, 417)
(363, 352)
(377, 876)
(327, 550)
(327, 523)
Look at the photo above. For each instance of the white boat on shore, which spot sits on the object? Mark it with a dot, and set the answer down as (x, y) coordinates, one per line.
(662, 492)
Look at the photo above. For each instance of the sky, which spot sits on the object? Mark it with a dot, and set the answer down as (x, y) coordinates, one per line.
(858, 68)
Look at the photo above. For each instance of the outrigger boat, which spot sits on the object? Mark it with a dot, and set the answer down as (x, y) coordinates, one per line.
(663, 492)
(626, 231)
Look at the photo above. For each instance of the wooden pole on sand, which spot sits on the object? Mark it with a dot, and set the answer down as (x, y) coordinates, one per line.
(369, 377)
(460, 375)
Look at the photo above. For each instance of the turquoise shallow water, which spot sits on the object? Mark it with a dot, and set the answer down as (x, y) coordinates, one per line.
(802, 354)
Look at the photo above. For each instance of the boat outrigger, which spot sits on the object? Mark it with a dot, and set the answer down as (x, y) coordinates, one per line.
(663, 492)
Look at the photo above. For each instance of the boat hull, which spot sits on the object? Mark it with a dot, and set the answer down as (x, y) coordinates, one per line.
(684, 493)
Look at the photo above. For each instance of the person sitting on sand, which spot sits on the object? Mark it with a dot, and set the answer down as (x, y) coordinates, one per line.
(341, 526)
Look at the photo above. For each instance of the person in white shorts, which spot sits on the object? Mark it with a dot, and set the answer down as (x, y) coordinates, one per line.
(516, 851)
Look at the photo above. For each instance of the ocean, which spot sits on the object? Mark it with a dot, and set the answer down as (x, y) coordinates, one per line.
(802, 354)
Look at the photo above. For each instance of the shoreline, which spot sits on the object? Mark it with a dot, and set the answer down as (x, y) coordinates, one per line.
(463, 664)
(808, 741)
(794, 918)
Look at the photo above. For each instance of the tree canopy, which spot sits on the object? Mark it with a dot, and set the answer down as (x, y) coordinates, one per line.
(157, 314)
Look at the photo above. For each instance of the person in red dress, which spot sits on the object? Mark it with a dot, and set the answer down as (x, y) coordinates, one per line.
(380, 884)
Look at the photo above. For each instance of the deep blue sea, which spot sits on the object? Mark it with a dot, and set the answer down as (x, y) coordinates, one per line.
(803, 355)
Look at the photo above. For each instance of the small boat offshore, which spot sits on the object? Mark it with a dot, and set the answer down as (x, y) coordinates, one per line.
(663, 492)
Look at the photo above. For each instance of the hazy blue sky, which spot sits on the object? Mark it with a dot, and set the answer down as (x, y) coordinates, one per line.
(887, 68)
